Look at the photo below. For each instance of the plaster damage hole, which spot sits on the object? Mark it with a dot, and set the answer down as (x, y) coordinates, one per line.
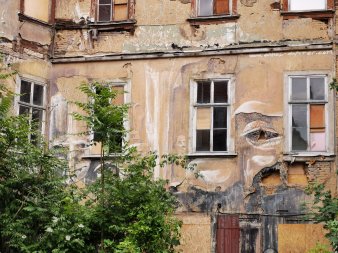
(296, 174)
(272, 179)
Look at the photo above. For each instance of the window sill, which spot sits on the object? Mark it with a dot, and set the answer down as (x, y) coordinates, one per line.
(212, 19)
(127, 25)
(322, 14)
(212, 155)
(305, 157)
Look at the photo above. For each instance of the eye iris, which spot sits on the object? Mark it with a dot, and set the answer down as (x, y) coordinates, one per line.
(261, 135)
(254, 135)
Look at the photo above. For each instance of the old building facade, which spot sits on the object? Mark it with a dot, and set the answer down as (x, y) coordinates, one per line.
(239, 86)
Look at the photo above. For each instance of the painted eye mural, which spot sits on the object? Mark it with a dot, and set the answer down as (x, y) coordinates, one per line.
(261, 134)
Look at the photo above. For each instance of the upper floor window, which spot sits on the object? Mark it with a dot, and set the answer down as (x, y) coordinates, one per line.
(210, 111)
(112, 10)
(213, 7)
(305, 5)
(308, 110)
(31, 103)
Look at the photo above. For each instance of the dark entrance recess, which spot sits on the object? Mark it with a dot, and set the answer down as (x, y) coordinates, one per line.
(227, 235)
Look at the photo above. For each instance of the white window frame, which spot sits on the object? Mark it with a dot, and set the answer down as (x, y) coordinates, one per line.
(329, 114)
(303, 4)
(33, 80)
(213, 14)
(193, 116)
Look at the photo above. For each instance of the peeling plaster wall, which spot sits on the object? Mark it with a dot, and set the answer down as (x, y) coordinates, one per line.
(165, 28)
(256, 180)
(72, 9)
(36, 33)
(9, 23)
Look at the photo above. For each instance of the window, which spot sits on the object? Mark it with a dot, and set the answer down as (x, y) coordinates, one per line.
(31, 102)
(308, 106)
(213, 7)
(300, 5)
(211, 115)
(112, 10)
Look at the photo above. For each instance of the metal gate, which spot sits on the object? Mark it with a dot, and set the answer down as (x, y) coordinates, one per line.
(227, 234)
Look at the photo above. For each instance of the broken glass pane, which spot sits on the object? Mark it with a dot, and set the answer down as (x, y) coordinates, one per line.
(220, 140)
(317, 88)
(203, 92)
(205, 8)
(104, 12)
(299, 116)
(220, 117)
(299, 89)
(25, 92)
(221, 92)
(299, 138)
(203, 140)
(38, 95)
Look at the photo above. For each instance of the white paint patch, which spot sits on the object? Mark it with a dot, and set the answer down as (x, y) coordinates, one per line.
(152, 108)
(214, 176)
(263, 160)
(258, 107)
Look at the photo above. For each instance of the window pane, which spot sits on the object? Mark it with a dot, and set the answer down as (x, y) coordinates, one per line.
(203, 118)
(105, 1)
(299, 116)
(23, 110)
(300, 5)
(205, 8)
(318, 141)
(120, 12)
(220, 117)
(104, 13)
(221, 92)
(38, 95)
(37, 118)
(203, 92)
(299, 138)
(221, 7)
(220, 140)
(317, 116)
(25, 91)
(317, 89)
(299, 90)
(202, 140)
